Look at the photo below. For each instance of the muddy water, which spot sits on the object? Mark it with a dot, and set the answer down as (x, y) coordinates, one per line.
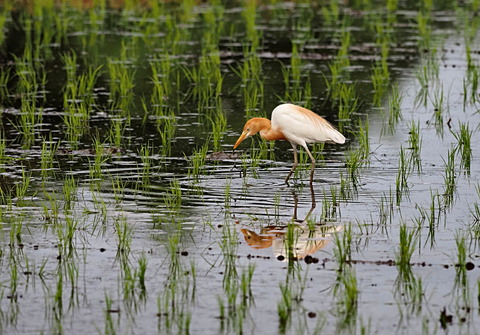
(71, 257)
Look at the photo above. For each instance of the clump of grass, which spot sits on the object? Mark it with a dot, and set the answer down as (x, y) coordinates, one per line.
(463, 146)
(219, 127)
(343, 247)
(403, 172)
(121, 85)
(449, 178)
(146, 153)
(362, 135)
(30, 117)
(415, 145)
(406, 248)
(354, 163)
(386, 207)
(124, 232)
(395, 111)
(47, 157)
(197, 162)
(338, 68)
(440, 108)
(206, 78)
(348, 103)
(173, 196)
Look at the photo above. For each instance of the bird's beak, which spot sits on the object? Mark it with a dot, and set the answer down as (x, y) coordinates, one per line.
(241, 138)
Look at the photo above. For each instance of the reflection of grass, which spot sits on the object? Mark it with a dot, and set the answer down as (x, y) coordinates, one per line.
(347, 292)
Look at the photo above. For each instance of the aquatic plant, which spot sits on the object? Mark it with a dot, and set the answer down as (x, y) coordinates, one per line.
(415, 145)
(463, 137)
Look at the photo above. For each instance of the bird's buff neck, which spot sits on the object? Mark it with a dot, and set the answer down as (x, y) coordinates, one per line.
(267, 132)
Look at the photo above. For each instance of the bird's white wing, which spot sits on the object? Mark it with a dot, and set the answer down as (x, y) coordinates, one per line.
(300, 125)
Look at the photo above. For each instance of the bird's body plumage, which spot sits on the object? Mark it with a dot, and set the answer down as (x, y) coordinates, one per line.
(300, 126)
(295, 124)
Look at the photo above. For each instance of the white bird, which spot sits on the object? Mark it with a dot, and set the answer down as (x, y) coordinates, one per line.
(295, 124)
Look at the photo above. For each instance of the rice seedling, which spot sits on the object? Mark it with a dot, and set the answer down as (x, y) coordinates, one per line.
(362, 135)
(440, 107)
(348, 103)
(424, 27)
(101, 156)
(329, 205)
(69, 191)
(206, 78)
(165, 124)
(421, 99)
(173, 196)
(28, 80)
(146, 156)
(338, 69)
(331, 13)
(66, 233)
(4, 80)
(415, 146)
(463, 146)
(343, 248)
(470, 83)
(121, 85)
(219, 127)
(22, 187)
(348, 190)
(406, 248)
(47, 157)
(124, 232)
(354, 162)
(449, 178)
(227, 196)
(117, 130)
(249, 15)
(395, 110)
(380, 79)
(79, 89)
(403, 172)
(197, 162)
(30, 117)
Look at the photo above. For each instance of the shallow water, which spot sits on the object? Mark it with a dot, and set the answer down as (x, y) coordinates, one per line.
(220, 244)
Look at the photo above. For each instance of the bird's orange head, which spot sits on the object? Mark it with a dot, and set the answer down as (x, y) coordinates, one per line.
(252, 127)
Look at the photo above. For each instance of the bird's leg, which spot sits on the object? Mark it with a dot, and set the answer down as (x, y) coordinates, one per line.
(313, 164)
(314, 202)
(295, 162)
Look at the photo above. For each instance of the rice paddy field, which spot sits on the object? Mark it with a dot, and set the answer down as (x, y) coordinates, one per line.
(125, 210)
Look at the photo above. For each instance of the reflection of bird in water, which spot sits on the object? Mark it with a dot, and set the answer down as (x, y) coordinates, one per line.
(307, 241)
(295, 124)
